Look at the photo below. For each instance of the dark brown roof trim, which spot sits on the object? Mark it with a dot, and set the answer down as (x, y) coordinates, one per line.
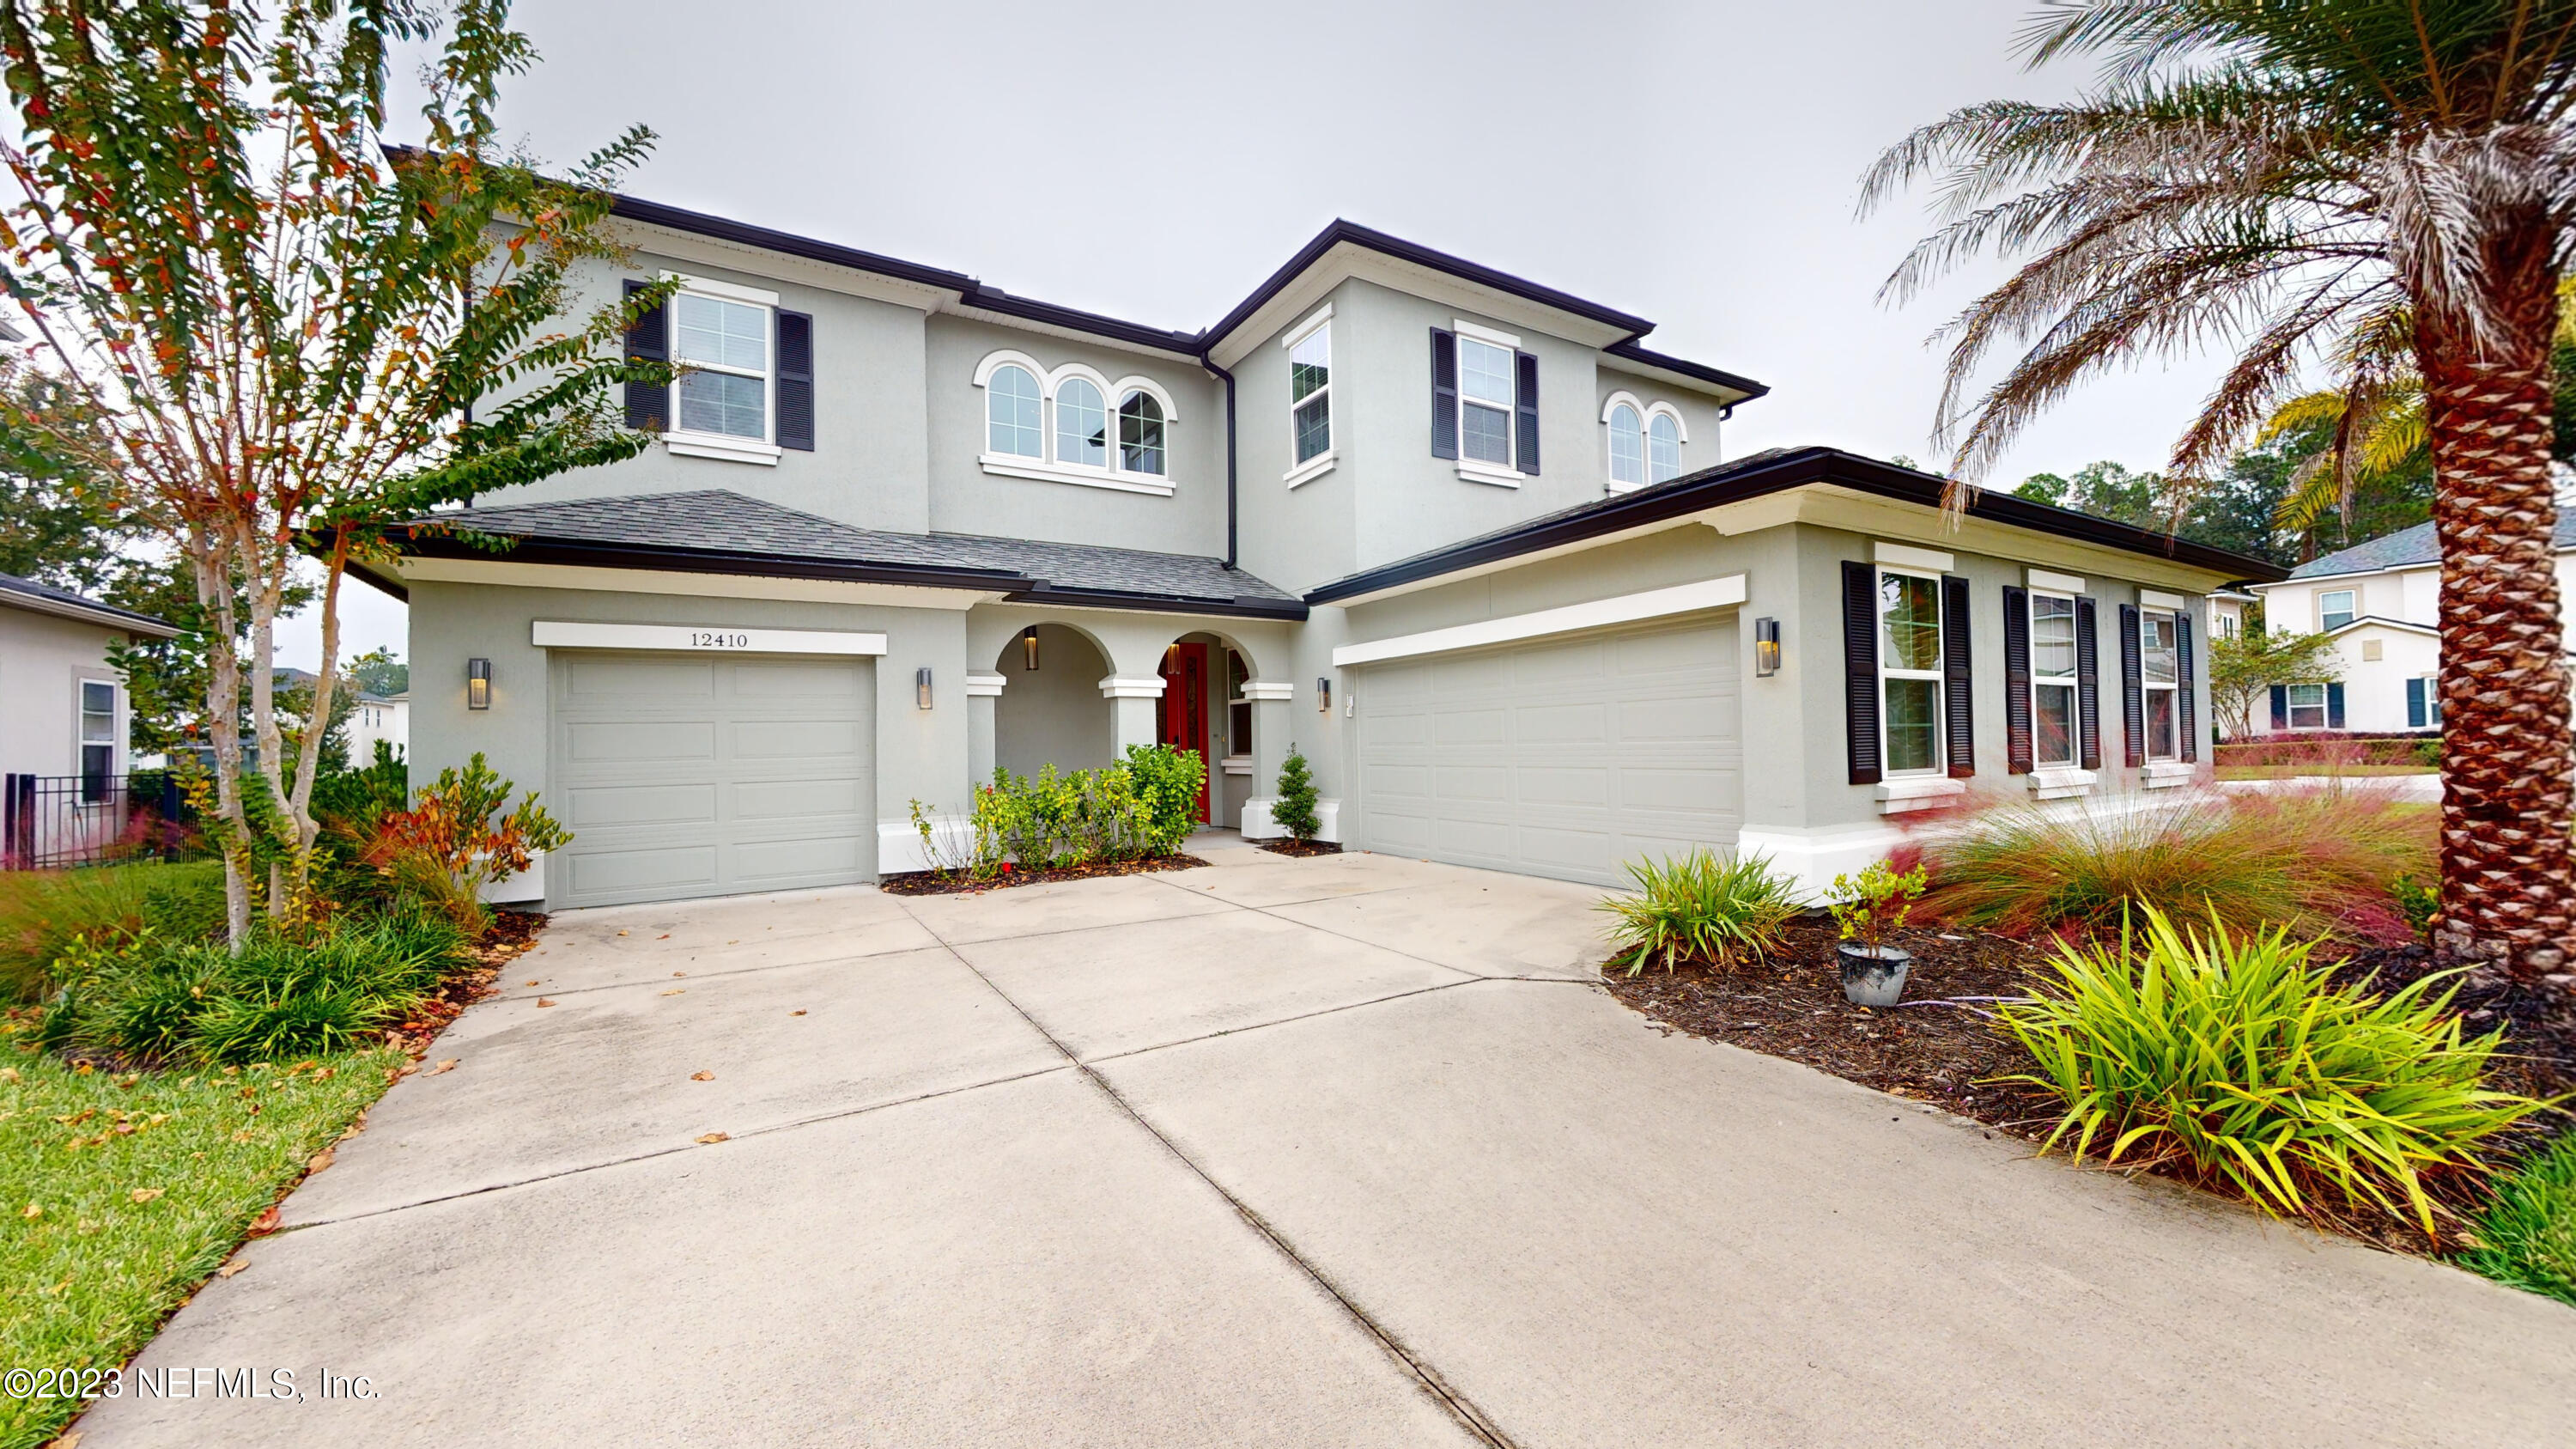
(1400, 249)
(1766, 473)
(1717, 377)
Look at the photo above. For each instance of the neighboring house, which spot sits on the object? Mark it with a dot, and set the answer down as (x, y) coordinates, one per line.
(64, 720)
(1456, 536)
(385, 717)
(2380, 603)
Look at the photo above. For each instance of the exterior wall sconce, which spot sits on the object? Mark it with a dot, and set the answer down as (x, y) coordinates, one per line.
(478, 684)
(1766, 647)
(1029, 648)
(921, 686)
(1323, 695)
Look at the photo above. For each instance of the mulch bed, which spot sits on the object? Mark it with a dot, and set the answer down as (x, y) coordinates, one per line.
(1286, 845)
(941, 883)
(1941, 1045)
(510, 934)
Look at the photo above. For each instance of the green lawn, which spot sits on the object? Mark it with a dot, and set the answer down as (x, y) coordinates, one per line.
(120, 1194)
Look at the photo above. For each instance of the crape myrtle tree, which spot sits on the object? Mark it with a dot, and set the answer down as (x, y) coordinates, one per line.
(2339, 182)
(278, 333)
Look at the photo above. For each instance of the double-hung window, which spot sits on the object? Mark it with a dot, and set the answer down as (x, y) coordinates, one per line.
(97, 739)
(1486, 396)
(722, 345)
(2335, 609)
(1909, 671)
(2052, 678)
(2306, 706)
(2160, 675)
(1310, 393)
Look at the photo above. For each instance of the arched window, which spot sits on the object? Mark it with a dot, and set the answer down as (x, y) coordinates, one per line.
(1663, 449)
(1140, 434)
(1081, 424)
(1627, 448)
(1011, 402)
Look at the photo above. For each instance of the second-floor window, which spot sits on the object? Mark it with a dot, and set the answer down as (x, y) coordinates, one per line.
(1627, 447)
(724, 344)
(1014, 410)
(2335, 608)
(1063, 426)
(1081, 424)
(1485, 399)
(1310, 393)
(1663, 448)
(1645, 441)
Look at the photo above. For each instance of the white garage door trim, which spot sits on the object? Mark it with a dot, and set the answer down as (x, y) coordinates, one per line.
(703, 638)
(1571, 619)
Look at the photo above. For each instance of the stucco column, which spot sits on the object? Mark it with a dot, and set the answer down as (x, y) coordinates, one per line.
(982, 689)
(1272, 725)
(1135, 707)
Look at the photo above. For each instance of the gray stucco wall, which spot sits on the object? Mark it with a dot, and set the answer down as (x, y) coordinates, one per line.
(870, 458)
(966, 499)
(919, 753)
(1296, 538)
(1054, 714)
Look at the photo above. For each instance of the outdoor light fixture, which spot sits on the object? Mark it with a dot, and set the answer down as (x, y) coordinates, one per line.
(1029, 647)
(1323, 695)
(478, 684)
(1766, 646)
(921, 686)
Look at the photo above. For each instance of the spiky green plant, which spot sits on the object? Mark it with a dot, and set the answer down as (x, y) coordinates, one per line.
(2526, 1238)
(2230, 1054)
(1699, 906)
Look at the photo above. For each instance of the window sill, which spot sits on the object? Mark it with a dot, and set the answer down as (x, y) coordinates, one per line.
(1313, 468)
(1497, 475)
(1012, 465)
(2061, 782)
(717, 445)
(2166, 774)
(1236, 764)
(1918, 792)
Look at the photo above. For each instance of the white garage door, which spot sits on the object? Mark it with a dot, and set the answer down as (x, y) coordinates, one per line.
(1561, 758)
(690, 775)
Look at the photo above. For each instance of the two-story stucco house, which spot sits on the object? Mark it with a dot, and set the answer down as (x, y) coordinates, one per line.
(1456, 536)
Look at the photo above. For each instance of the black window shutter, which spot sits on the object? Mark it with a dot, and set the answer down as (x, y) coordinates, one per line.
(2019, 753)
(2280, 706)
(1525, 396)
(2334, 706)
(1958, 703)
(2088, 684)
(2186, 712)
(1860, 671)
(2133, 690)
(796, 381)
(648, 404)
(1444, 394)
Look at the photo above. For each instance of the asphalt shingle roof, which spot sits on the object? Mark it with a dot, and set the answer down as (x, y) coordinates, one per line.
(722, 521)
(29, 589)
(2406, 548)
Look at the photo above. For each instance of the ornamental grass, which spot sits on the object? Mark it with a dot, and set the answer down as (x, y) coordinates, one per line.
(1700, 907)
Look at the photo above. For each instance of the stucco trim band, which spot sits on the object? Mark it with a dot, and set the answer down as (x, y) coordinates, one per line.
(1716, 593)
(702, 638)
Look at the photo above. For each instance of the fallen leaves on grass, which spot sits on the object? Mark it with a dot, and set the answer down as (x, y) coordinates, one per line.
(265, 1223)
(146, 1194)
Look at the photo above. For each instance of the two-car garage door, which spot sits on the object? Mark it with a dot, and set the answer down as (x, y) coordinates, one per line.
(699, 775)
(1565, 757)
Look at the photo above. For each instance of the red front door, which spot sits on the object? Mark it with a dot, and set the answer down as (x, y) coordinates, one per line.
(1184, 725)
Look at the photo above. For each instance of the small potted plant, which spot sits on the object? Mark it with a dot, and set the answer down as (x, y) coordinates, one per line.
(1866, 908)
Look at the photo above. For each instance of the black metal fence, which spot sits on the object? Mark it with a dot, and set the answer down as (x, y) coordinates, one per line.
(49, 822)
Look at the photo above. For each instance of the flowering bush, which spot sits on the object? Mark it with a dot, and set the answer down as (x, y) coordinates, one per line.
(461, 834)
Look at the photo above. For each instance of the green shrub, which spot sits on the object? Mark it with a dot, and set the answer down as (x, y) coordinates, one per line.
(2526, 1238)
(2317, 861)
(43, 912)
(1293, 808)
(353, 800)
(2233, 1056)
(1878, 900)
(2419, 901)
(1701, 907)
(1167, 783)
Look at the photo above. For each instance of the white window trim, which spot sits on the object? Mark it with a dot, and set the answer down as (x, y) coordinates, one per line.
(2290, 707)
(1681, 440)
(1319, 320)
(1940, 766)
(2071, 680)
(2350, 614)
(1609, 441)
(1477, 470)
(116, 728)
(691, 443)
(2148, 688)
(1046, 466)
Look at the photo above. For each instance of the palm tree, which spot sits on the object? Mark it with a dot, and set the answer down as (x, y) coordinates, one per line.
(2297, 181)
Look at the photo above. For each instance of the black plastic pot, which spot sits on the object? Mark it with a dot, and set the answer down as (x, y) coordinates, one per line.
(1873, 976)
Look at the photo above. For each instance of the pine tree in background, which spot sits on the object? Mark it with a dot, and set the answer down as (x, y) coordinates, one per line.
(1294, 809)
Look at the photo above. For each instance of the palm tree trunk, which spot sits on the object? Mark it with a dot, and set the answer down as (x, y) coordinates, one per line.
(2507, 885)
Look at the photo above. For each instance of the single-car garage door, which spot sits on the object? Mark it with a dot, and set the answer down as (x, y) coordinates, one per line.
(697, 775)
(1565, 757)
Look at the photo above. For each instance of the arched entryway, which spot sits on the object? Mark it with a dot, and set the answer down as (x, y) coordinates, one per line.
(1050, 709)
(1204, 710)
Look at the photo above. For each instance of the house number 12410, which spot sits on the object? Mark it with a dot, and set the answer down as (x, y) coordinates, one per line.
(700, 639)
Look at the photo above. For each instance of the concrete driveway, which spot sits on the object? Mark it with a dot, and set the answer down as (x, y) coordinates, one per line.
(1339, 1151)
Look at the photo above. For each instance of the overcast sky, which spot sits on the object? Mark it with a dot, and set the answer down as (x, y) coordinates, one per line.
(1696, 164)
